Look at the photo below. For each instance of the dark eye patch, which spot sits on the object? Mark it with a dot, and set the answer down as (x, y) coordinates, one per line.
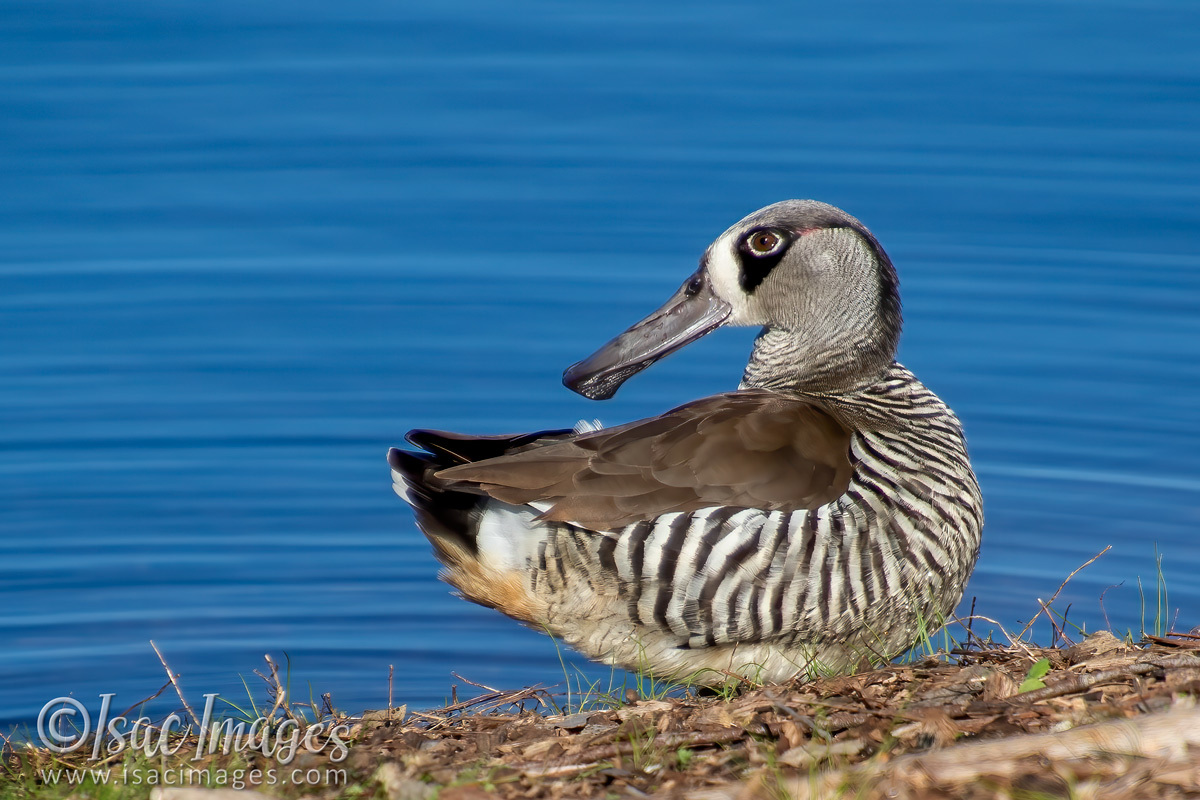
(759, 250)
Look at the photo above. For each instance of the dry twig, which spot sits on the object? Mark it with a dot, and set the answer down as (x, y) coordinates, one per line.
(174, 682)
(1061, 586)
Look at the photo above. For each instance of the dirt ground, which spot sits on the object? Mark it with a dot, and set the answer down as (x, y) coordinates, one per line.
(1099, 719)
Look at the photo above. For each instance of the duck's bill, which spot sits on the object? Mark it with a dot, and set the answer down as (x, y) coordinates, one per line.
(691, 312)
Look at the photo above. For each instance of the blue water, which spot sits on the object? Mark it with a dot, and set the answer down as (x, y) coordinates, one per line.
(245, 246)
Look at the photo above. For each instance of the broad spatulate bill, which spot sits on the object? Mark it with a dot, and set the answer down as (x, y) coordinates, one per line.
(815, 519)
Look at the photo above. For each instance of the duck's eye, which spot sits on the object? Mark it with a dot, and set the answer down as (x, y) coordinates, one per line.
(763, 243)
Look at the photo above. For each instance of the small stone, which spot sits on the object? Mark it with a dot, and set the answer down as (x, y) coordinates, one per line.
(187, 793)
(573, 722)
(395, 785)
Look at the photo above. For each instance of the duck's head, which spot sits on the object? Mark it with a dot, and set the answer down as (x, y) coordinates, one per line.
(815, 279)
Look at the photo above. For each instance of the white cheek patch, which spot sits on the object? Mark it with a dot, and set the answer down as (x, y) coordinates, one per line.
(724, 273)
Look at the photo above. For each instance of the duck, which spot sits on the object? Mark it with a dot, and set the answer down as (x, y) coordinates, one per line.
(817, 520)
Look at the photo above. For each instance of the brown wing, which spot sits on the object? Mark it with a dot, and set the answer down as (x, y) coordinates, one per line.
(747, 449)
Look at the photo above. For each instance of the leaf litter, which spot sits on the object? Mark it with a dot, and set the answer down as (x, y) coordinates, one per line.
(1102, 718)
(1099, 719)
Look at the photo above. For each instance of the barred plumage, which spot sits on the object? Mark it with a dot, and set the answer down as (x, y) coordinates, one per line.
(819, 516)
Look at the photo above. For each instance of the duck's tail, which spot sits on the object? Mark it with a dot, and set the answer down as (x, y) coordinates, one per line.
(485, 568)
(448, 517)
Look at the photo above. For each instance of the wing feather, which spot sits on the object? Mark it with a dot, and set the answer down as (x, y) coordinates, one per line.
(746, 449)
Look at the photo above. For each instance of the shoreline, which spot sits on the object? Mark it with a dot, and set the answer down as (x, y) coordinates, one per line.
(1101, 718)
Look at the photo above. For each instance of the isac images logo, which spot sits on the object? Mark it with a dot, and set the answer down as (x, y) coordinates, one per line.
(65, 726)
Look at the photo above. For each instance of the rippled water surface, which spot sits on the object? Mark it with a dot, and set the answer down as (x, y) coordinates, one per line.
(245, 246)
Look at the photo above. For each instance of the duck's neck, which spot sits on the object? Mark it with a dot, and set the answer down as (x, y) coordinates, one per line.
(786, 361)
